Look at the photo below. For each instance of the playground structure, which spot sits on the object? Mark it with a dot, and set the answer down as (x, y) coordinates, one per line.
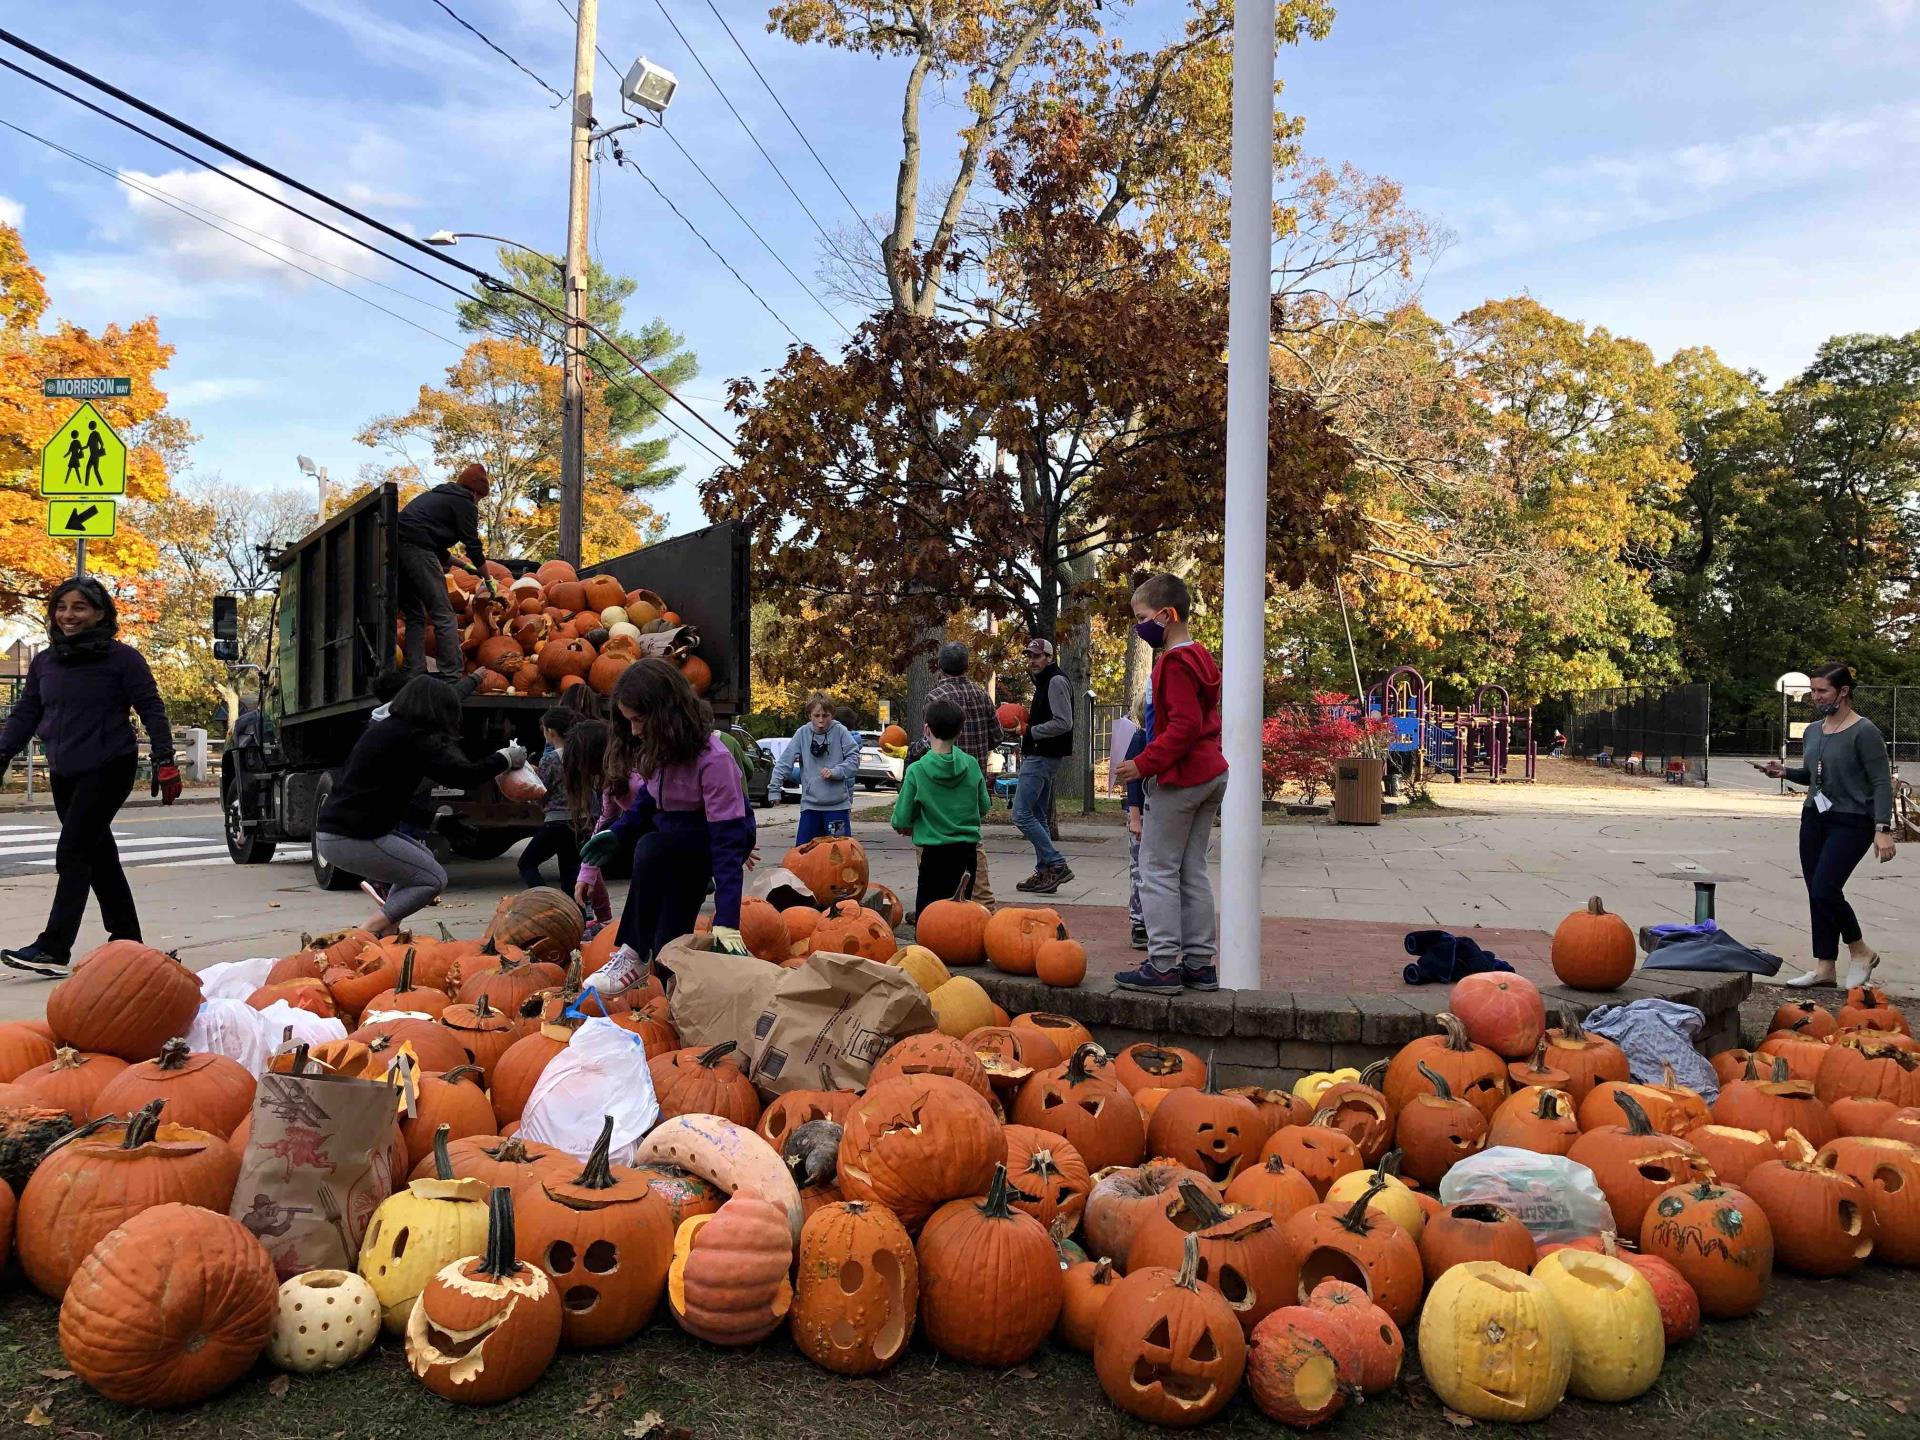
(1480, 742)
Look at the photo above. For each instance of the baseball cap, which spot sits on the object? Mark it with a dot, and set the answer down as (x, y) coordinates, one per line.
(1040, 649)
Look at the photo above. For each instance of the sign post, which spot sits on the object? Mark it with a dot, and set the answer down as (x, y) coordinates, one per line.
(83, 467)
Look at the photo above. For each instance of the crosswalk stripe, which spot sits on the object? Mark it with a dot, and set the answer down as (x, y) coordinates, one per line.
(135, 857)
(15, 845)
(283, 857)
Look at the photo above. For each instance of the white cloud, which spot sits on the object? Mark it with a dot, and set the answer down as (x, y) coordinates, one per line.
(12, 212)
(93, 289)
(215, 389)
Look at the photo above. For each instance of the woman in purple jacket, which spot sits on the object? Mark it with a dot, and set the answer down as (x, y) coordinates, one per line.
(77, 697)
(689, 824)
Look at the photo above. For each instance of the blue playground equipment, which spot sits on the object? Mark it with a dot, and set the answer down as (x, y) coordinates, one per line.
(1479, 742)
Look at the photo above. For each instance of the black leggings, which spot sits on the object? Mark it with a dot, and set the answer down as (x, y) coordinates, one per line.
(1830, 846)
(671, 872)
(556, 841)
(86, 857)
(942, 868)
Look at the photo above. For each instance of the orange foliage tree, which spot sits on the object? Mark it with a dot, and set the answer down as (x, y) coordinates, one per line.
(31, 561)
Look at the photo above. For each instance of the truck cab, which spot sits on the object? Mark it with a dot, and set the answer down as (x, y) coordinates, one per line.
(334, 653)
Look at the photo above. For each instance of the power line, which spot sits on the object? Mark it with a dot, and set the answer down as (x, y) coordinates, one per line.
(558, 98)
(489, 281)
(857, 214)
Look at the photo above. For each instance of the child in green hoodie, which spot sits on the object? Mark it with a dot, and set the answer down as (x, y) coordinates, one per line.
(943, 798)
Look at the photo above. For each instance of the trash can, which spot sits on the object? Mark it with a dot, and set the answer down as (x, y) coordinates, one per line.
(1357, 783)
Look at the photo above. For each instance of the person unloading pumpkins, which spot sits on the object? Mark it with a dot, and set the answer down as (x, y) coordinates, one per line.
(430, 526)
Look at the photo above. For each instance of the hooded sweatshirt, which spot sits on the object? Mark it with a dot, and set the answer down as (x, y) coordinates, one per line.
(1185, 749)
(77, 698)
(842, 757)
(944, 799)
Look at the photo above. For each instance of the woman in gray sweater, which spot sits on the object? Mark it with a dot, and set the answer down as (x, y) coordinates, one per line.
(1849, 811)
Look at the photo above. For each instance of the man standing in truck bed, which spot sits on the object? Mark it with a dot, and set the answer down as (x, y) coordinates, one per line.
(430, 526)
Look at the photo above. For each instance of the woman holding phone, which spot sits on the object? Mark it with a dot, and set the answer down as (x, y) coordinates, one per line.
(1849, 811)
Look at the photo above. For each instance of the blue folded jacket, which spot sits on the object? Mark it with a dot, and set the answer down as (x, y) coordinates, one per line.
(1440, 958)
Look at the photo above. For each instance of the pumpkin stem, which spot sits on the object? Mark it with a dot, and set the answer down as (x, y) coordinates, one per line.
(1082, 1057)
(1435, 1079)
(499, 1260)
(1456, 1032)
(1188, 1277)
(1210, 1085)
(1275, 1165)
(1637, 1121)
(446, 935)
(1200, 1205)
(68, 1058)
(598, 1172)
(300, 1055)
(405, 982)
(710, 1057)
(461, 1072)
(175, 1054)
(1322, 1118)
(1779, 1069)
(442, 1161)
(1570, 1027)
(1752, 1073)
(1390, 1163)
(142, 1124)
(1374, 1074)
(1594, 907)
(995, 1206)
(1668, 1079)
(1355, 1220)
(511, 1151)
(1103, 1270)
(1547, 1107)
(1540, 1056)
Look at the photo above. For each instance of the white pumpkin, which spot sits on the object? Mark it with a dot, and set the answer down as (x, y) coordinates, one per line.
(632, 632)
(613, 615)
(327, 1319)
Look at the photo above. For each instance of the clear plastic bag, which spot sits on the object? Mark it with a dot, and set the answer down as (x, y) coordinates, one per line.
(233, 1028)
(1557, 1199)
(602, 1072)
(522, 785)
(234, 979)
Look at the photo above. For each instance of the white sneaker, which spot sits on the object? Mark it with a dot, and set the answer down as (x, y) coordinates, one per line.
(1861, 971)
(624, 970)
(1812, 980)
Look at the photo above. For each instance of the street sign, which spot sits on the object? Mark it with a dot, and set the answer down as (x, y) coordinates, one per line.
(85, 387)
(80, 519)
(84, 457)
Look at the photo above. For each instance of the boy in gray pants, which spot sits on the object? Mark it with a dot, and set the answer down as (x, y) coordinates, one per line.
(1185, 776)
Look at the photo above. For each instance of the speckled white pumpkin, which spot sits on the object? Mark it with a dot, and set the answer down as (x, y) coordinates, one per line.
(327, 1319)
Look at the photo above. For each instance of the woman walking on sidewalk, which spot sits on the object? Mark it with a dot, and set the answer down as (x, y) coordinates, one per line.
(77, 696)
(1849, 811)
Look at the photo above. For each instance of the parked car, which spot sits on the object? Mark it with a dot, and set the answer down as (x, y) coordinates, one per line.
(878, 770)
(771, 749)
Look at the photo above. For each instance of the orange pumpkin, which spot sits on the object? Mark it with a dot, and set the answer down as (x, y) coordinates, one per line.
(955, 930)
(1593, 950)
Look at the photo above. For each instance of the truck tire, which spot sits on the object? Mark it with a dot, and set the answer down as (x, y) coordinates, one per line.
(327, 877)
(243, 847)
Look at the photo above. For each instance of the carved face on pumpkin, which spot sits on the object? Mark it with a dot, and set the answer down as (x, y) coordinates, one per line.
(1168, 1349)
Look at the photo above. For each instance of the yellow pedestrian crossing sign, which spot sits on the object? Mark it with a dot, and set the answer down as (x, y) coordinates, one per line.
(80, 519)
(84, 457)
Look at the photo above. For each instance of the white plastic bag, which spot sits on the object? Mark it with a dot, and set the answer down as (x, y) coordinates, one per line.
(306, 1027)
(234, 979)
(603, 1071)
(235, 1029)
(522, 785)
(1557, 1199)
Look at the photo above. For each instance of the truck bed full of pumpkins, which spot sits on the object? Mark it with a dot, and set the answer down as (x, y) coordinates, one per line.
(998, 1183)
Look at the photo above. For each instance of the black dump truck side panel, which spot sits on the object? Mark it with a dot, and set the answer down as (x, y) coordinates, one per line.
(703, 576)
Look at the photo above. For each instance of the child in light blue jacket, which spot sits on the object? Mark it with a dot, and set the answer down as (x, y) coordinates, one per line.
(827, 756)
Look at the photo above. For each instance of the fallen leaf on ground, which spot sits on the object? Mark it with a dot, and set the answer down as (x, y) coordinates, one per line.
(618, 1390)
(56, 1374)
(644, 1426)
(1454, 1417)
(1899, 1407)
(38, 1417)
(278, 1387)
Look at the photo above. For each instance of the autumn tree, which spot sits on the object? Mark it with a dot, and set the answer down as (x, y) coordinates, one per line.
(32, 562)
(502, 406)
(629, 460)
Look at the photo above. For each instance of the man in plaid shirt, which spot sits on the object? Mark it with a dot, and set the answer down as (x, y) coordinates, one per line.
(979, 733)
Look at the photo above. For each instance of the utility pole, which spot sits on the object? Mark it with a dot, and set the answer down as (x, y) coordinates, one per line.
(574, 411)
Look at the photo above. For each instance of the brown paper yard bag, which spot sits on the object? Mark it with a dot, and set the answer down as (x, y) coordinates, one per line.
(828, 1020)
(716, 996)
(319, 1158)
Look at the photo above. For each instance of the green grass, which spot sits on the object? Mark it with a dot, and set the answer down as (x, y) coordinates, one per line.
(1827, 1359)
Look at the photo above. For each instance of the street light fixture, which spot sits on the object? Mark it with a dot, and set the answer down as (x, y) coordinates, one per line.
(450, 238)
(317, 474)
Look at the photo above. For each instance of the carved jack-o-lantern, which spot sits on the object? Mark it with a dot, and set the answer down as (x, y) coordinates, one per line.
(859, 1290)
(1168, 1349)
(326, 1319)
(432, 1223)
(1218, 1135)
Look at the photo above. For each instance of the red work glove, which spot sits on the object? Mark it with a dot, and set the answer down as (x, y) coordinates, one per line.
(166, 784)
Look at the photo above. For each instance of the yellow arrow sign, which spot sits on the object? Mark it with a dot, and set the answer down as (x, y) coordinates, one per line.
(84, 457)
(80, 519)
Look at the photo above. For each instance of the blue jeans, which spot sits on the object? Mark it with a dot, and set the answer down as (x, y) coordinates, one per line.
(1031, 802)
(816, 823)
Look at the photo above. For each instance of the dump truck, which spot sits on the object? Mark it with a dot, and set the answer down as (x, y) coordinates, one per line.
(336, 610)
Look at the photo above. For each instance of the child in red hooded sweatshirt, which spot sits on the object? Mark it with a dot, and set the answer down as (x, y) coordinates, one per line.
(1186, 776)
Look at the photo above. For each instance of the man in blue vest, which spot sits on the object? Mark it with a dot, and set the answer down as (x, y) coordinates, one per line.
(1048, 741)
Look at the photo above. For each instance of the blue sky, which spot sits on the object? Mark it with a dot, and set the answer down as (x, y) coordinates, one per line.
(1746, 177)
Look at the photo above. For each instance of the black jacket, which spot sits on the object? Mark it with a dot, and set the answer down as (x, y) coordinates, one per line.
(382, 776)
(446, 516)
(1050, 718)
(77, 702)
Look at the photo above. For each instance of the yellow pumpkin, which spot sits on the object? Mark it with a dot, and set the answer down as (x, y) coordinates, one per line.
(1310, 1087)
(413, 1234)
(1493, 1343)
(923, 966)
(1613, 1321)
(1396, 1201)
(961, 1007)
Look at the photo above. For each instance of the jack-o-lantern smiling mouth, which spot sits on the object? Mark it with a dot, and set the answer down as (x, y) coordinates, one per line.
(450, 1346)
(1183, 1390)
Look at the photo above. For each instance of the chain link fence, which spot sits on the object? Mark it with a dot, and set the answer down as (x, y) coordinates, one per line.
(1659, 729)
(1894, 708)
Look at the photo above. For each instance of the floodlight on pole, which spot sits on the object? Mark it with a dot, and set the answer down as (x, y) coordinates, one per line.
(450, 238)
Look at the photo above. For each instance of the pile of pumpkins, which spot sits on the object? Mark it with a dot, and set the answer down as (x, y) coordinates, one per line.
(991, 1190)
(544, 633)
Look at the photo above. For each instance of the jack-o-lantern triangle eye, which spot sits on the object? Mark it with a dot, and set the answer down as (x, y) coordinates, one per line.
(1204, 1350)
(1093, 1107)
(1159, 1336)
